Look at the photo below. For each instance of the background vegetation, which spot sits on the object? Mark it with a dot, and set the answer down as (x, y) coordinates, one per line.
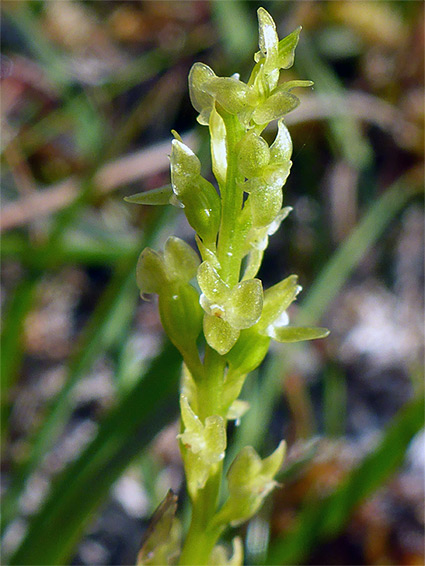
(90, 92)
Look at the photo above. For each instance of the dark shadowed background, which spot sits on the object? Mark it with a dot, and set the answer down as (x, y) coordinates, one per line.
(90, 91)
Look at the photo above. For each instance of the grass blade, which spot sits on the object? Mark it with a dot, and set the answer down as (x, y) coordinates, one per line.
(348, 255)
(106, 321)
(12, 341)
(124, 433)
(323, 519)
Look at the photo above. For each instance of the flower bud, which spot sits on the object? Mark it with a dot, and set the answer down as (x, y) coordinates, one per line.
(253, 156)
(151, 273)
(275, 106)
(250, 480)
(229, 92)
(203, 445)
(181, 316)
(201, 100)
(199, 198)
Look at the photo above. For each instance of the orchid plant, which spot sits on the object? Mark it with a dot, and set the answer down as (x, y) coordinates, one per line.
(212, 305)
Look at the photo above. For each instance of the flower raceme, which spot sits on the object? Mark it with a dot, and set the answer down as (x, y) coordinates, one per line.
(212, 305)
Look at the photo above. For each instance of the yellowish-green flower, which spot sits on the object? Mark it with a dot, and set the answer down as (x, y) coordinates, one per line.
(204, 445)
(250, 480)
(227, 310)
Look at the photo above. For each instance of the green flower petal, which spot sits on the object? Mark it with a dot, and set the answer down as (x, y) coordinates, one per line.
(185, 167)
(277, 299)
(275, 174)
(203, 445)
(276, 106)
(254, 155)
(267, 36)
(201, 100)
(215, 439)
(160, 196)
(151, 273)
(250, 480)
(209, 440)
(181, 260)
(281, 148)
(244, 305)
(211, 284)
(229, 92)
(287, 45)
(219, 334)
(297, 334)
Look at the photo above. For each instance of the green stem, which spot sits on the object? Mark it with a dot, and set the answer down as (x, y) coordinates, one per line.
(229, 244)
(200, 540)
(210, 388)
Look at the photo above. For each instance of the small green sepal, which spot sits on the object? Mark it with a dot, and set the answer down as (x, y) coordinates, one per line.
(201, 202)
(159, 196)
(298, 333)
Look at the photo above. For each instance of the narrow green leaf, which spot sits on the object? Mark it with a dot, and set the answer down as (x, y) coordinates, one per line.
(107, 322)
(340, 266)
(12, 340)
(162, 542)
(160, 196)
(81, 488)
(298, 333)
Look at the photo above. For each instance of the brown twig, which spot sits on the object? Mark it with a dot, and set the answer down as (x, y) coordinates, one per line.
(125, 170)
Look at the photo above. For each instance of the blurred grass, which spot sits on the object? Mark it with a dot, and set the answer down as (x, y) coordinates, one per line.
(124, 432)
(324, 518)
(264, 391)
(135, 102)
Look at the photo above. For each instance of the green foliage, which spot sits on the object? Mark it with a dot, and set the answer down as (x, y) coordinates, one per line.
(58, 525)
(228, 230)
(79, 236)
